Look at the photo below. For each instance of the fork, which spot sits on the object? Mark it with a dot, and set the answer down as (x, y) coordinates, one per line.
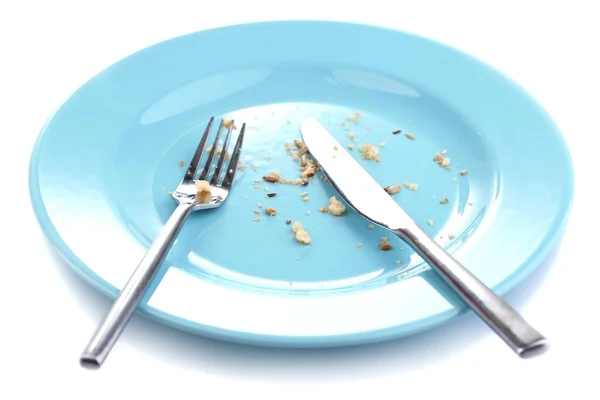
(130, 296)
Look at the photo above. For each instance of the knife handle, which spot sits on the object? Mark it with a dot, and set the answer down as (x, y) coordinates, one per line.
(502, 318)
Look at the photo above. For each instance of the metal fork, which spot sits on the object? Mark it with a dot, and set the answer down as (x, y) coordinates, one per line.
(124, 306)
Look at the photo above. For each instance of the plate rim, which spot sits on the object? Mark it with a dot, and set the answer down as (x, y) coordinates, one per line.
(427, 323)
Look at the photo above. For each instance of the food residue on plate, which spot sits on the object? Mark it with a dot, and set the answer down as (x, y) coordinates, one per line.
(336, 207)
(385, 246)
(202, 192)
(392, 189)
(301, 235)
(369, 152)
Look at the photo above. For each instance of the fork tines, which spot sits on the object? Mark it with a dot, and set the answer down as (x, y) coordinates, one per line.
(234, 159)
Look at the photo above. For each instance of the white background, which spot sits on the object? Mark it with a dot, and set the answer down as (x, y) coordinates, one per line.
(48, 49)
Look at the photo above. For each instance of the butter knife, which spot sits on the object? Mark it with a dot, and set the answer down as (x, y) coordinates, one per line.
(363, 194)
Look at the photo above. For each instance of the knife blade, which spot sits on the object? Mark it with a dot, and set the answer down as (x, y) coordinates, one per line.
(355, 185)
(363, 194)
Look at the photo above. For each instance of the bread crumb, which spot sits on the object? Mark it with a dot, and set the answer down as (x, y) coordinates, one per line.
(351, 136)
(355, 117)
(369, 152)
(358, 246)
(323, 209)
(441, 160)
(306, 198)
(385, 246)
(271, 211)
(392, 189)
(371, 226)
(335, 147)
(181, 162)
(336, 207)
(410, 136)
(350, 147)
(301, 235)
(227, 123)
(256, 188)
(308, 213)
(287, 146)
(444, 201)
(255, 165)
(202, 192)
(219, 151)
(382, 144)
(303, 161)
(411, 186)
(463, 172)
(256, 211)
(257, 219)
(308, 172)
(430, 222)
(303, 194)
(450, 236)
(259, 205)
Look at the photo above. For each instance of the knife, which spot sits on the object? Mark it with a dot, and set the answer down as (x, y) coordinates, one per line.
(368, 198)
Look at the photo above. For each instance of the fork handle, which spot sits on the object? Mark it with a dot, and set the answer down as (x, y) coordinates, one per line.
(124, 306)
(503, 319)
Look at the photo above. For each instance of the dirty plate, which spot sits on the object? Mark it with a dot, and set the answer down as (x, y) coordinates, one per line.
(105, 162)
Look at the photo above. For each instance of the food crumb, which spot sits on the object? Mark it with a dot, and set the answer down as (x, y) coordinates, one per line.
(371, 226)
(359, 245)
(271, 211)
(335, 147)
(464, 172)
(257, 219)
(303, 194)
(270, 178)
(323, 209)
(306, 198)
(202, 192)
(181, 162)
(385, 246)
(382, 144)
(259, 205)
(219, 151)
(397, 131)
(397, 261)
(410, 136)
(430, 222)
(256, 211)
(350, 147)
(392, 189)
(444, 201)
(336, 207)
(450, 236)
(355, 117)
(302, 236)
(308, 213)
(227, 123)
(287, 222)
(369, 152)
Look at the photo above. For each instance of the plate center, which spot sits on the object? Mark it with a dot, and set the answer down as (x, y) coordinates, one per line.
(241, 244)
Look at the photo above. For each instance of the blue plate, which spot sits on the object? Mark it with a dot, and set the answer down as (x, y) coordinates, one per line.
(104, 163)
